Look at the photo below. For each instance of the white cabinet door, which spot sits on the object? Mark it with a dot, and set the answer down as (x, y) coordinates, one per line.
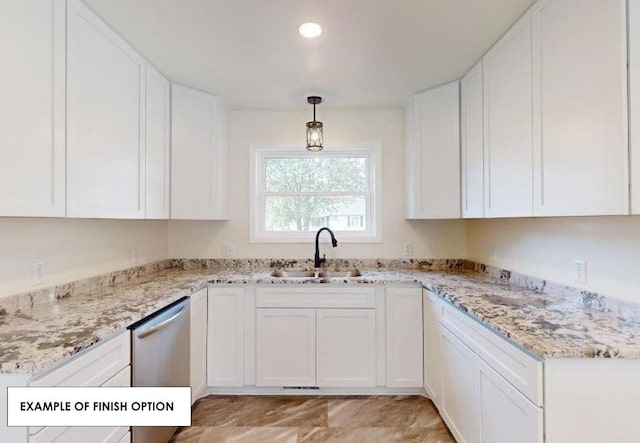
(432, 347)
(471, 143)
(580, 107)
(433, 153)
(404, 337)
(105, 120)
(32, 108)
(457, 404)
(225, 337)
(198, 155)
(158, 144)
(286, 347)
(198, 349)
(502, 413)
(346, 347)
(507, 113)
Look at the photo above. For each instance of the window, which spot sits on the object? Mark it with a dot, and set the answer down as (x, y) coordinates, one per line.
(355, 221)
(295, 193)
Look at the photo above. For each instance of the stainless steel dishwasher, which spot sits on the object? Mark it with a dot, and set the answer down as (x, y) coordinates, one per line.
(160, 357)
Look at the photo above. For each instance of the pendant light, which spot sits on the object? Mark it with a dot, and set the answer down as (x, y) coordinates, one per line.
(314, 128)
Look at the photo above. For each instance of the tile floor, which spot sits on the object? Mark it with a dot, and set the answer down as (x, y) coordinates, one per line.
(344, 419)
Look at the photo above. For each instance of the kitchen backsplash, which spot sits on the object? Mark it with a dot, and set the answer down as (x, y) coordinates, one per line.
(278, 263)
(592, 299)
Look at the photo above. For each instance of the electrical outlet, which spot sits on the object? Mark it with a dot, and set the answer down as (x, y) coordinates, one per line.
(492, 253)
(408, 250)
(134, 256)
(37, 273)
(228, 250)
(580, 271)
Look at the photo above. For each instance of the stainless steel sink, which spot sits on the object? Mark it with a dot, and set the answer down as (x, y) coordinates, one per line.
(340, 274)
(282, 273)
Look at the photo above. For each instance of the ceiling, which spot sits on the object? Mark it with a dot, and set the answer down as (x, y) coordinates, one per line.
(371, 54)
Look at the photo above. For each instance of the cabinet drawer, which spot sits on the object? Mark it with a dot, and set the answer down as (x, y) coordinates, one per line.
(92, 367)
(81, 434)
(325, 297)
(523, 371)
(121, 380)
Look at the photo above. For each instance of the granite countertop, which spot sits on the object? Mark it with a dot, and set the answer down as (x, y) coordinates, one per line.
(35, 336)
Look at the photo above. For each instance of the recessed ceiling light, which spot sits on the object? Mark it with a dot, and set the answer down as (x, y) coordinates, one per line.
(310, 30)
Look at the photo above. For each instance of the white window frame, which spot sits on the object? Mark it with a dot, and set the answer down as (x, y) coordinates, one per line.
(259, 153)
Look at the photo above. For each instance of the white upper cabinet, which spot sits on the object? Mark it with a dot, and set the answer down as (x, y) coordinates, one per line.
(32, 108)
(158, 144)
(507, 113)
(198, 155)
(580, 160)
(105, 120)
(433, 153)
(471, 143)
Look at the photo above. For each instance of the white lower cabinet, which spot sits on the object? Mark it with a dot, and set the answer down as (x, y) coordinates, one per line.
(316, 347)
(457, 403)
(198, 332)
(105, 364)
(432, 347)
(97, 434)
(225, 336)
(286, 347)
(81, 434)
(502, 413)
(404, 337)
(346, 347)
(491, 392)
(322, 337)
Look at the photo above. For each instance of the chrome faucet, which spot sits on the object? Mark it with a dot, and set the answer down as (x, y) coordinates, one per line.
(317, 261)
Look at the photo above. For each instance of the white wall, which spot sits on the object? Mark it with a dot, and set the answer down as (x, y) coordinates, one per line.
(73, 249)
(431, 239)
(546, 248)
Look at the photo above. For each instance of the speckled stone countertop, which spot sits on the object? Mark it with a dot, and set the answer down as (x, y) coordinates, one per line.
(38, 331)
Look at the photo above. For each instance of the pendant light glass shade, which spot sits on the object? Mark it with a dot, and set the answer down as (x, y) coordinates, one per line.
(314, 128)
(314, 136)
